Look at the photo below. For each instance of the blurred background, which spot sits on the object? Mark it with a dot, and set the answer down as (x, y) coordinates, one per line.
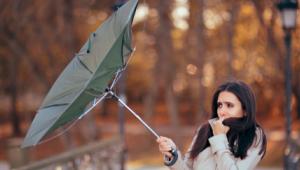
(184, 50)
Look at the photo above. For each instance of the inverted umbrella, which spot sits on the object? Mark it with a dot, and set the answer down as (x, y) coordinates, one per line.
(87, 76)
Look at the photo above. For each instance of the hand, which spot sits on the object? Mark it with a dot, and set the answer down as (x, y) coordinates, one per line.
(165, 146)
(218, 127)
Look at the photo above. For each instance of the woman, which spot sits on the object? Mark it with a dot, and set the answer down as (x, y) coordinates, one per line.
(231, 139)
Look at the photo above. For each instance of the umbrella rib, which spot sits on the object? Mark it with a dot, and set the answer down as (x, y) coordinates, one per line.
(83, 65)
(119, 72)
(55, 105)
(85, 113)
(129, 58)
(80, 54)
(60, 133)
(117, 76)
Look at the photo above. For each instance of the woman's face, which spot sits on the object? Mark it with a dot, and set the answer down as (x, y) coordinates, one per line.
(229, 106)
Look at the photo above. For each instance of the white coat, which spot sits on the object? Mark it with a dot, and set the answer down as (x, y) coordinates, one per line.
(218, 156)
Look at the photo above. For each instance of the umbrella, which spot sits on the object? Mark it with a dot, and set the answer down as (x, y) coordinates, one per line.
(88, 77)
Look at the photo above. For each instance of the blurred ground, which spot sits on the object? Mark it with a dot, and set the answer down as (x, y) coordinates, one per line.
(165, 168)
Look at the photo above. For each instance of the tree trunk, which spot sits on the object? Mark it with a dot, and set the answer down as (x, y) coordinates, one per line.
(166, 52)
(273, 47)
(196, 55)
(151, 95)
(19, 50)
(234, 9)
(15, 121)
(149, 100)
(69, 27)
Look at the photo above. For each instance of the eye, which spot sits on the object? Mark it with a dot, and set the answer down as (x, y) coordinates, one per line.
(230, 105)
(219, 105)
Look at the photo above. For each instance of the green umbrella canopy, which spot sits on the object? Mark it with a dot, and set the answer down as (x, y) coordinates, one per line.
(86, 76)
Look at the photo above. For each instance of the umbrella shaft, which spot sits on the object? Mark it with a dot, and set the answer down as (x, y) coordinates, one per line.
(136, 115)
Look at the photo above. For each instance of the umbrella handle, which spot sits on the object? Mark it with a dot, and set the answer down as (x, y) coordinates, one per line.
(135, 114)
(175, 157)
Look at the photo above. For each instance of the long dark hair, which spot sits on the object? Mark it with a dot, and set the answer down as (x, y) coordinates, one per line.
(242, 130)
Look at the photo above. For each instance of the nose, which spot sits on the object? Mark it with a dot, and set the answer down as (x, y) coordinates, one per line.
(222, 112)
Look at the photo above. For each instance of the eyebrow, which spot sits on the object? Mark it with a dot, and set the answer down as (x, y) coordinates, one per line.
(225, 102)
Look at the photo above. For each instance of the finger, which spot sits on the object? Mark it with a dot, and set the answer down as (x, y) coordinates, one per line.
(165, 143)
(218, 123)
(159, 141)
(168, 141)
(164, 138)
(168, 154)
(166, 147)
(165, 150)
(161, 138)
